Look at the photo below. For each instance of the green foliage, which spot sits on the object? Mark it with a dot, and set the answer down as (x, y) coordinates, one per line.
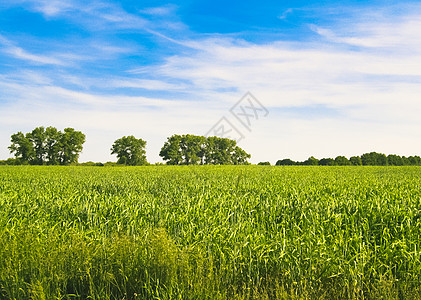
(37, 138)
(111, 164)
(264, 163)
(355, 161)
(374, 159)
(9, 162)
(47, 146)
(367, 159)
(311, 161)
(395, 160)
(193, 150)
(171, 151)
(412, 161)
(285, 162)
(22, 147)
(210, 232)
(91, 164)
(342, 161)
(326, 162)
(71, 145)
(239, 156)
(130, 151)
(53, 145)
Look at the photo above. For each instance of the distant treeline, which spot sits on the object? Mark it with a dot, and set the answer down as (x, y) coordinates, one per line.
(367, 159)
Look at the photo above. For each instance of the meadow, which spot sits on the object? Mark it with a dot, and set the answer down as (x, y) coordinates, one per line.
(210, 232)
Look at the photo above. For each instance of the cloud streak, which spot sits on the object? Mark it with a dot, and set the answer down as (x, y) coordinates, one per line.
(20, 53)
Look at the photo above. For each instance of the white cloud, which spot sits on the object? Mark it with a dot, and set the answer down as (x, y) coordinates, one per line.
(20, 53)
(159, 10)
(399, 34)
(53, 7)
(147, 84)
(285, 14)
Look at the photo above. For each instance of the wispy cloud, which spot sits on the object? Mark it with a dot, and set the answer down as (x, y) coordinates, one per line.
(165, 10)
(285, 14)
(147, 84)
(18, 52)
(397, 33)
(52, 8)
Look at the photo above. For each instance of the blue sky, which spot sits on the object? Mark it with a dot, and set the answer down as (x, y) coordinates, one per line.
(337, 77)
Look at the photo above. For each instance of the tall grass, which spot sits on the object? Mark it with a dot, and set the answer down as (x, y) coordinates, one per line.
(210, 232)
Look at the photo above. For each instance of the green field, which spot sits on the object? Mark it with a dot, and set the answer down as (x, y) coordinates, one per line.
(210, 232)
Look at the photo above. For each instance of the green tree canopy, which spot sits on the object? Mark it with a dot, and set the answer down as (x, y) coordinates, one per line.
(52, 146)
(327, 162)
(22, 147)
(37, 137)
(342, 161)
(311, 161)
(171, 151)
(285, 162)
(374, 159)
(71, 145)
(414, 160)
(355, 161)
(395, 160)
(47, 146)
(192, 150)
(239, 156)
(130, 151)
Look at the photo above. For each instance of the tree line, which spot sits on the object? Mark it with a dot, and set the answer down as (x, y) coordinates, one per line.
(49, 146)
(366, 159)
(46, 146)
(182, 150)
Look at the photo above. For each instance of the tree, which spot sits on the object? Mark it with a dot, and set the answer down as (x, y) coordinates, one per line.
(219, 151)
(239, 157)
(9, 162)
(342, 161)
(355, 161)
(374, 159)
(264, 163)
(130, 151)
(37, 137)
(52, 145)
(327, 162)
(47, 146)
(171, 151)
(71, 144)
(223, 151)
(394, 160)
(191, 150)
(414, 160)
(22, 148)
(311, 161)
(285, 162)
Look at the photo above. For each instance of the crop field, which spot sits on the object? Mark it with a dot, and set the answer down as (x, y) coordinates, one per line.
(210, 232)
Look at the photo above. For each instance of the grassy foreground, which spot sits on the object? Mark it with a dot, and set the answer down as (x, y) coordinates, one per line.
(210, 232)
